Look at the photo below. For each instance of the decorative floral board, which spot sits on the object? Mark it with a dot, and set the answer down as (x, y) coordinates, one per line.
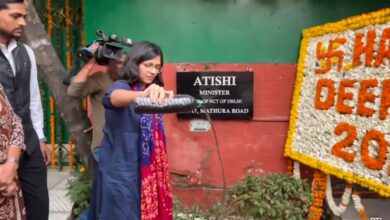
(340, 121)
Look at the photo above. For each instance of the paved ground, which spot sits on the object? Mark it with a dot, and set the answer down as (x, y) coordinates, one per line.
(376, 209)
(60, 204)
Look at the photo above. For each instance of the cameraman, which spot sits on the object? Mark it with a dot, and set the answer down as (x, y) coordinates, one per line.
(94, 84)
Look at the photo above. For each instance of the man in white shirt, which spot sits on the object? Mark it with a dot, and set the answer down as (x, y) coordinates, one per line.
(18, 76)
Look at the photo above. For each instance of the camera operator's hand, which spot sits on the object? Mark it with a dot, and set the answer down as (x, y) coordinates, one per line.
(88, 67)
(93, 47)
(87, 70)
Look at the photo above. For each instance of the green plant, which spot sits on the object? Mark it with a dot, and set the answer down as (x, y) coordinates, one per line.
(276, 196)
(188, 213)
(80, 186)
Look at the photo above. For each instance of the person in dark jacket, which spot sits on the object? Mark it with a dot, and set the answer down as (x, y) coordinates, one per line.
(18, 76)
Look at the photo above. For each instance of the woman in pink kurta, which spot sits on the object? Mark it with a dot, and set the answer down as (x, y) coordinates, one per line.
(11, 136)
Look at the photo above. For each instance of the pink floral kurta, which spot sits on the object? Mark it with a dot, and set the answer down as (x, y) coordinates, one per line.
(11, 135)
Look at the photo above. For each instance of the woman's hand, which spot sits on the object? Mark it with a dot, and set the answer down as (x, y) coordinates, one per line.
(157, 93)
(7, 174)
(121, 97)
(10, 190)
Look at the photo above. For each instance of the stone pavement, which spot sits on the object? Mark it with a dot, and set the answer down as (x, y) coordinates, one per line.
(376, 209)
(60, 204)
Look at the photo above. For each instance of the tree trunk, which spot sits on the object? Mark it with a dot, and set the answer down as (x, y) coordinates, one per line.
(53, 72)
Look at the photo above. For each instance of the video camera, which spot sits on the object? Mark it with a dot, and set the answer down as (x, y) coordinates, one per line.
(109, 48)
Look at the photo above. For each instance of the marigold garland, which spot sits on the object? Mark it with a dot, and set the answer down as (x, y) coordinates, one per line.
(296, 170)
(85, 103)
(85, 100)
(359, 206)
(318, 195)
(68, 67)
(345, 199)
(67, 23)
(51, 101)
(71, 158)
(52, 134)
(68, 60)
(49, 18)
(289, 166)
(352, 23)
(82, 18)
(349, 177)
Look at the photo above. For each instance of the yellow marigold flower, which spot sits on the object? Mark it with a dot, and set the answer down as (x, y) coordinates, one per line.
(82, 170)
(334, 60)
(323, 63)
(323, 49)
(348, 66)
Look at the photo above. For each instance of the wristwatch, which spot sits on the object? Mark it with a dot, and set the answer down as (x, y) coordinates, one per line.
(43, 140)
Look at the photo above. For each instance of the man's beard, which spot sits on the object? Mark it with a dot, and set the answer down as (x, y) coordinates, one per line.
(8, 36)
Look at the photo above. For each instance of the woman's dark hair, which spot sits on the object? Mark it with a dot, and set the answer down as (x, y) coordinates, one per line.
(141, 51)
(4, 3)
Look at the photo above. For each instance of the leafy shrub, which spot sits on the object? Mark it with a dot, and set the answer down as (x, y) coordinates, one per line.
(80, 186)
(277, 196)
